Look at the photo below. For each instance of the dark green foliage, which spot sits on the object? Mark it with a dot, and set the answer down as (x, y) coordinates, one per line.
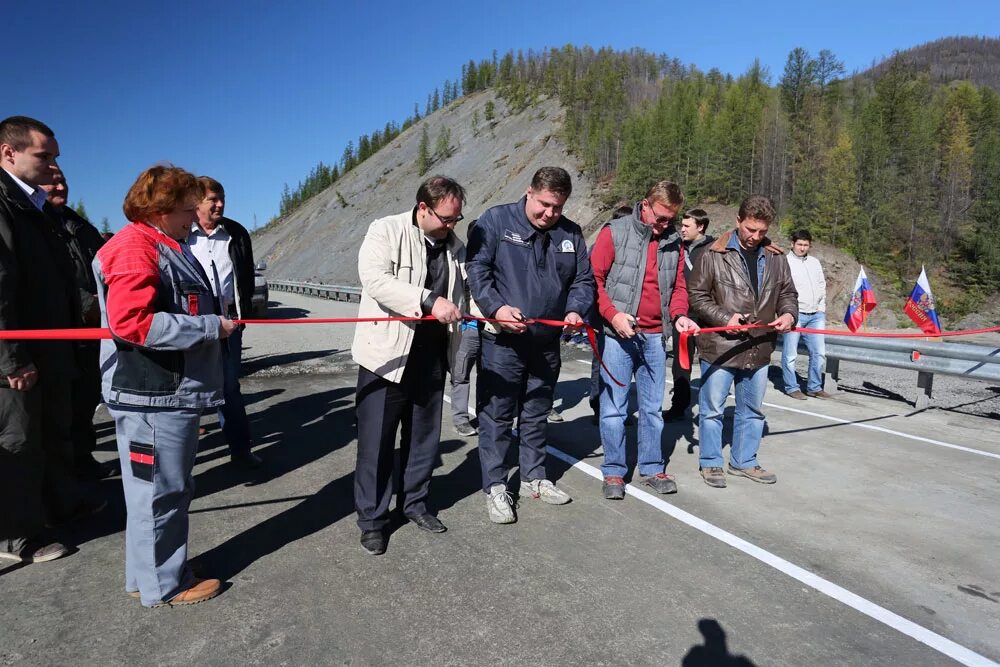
(424, 152)
(81, 210)
(893, 166)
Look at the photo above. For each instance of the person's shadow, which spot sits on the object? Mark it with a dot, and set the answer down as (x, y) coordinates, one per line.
(714, 652)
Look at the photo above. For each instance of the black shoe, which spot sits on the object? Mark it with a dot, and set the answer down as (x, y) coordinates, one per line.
(373, 541)
(247, 460)
(428, 522)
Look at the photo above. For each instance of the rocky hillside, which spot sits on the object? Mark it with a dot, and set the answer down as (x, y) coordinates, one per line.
(494, 161)
(975, 59)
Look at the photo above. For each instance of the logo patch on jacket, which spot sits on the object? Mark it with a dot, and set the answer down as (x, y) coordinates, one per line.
(514, 237)
(566, 246)
(193, 304)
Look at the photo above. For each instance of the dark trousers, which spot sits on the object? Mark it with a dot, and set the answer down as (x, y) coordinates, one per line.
(382, 406)
(594, 394)
(516, 370)
(37, 480)
(682, 378)
(233, 413)
(86, 393)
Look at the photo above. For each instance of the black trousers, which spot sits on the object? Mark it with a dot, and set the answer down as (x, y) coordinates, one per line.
(383, 407)
(86, 397)
(518, 370)
(682, 378)
(37, 479)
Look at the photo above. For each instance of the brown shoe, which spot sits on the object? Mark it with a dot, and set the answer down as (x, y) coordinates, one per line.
(819, 394)
(756, 473)
(203, 589)
(714, 477)
(797, 395)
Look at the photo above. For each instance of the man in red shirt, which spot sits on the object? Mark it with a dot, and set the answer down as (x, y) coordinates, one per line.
(637, 263)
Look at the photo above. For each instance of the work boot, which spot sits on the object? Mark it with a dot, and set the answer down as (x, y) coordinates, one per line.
(797, 395)
(661, 482)
(613, 488)
(756, 473)
(714, 477)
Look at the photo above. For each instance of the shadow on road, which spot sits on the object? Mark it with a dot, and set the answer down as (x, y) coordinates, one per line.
(714, 652)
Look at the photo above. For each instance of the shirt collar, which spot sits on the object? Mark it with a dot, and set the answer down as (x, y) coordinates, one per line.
(218, 232)
(734, 243)
(37, 196)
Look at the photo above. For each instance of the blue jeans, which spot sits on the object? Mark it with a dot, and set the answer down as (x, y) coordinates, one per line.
(644, 357)
(233, 413)
(815, 344)
(748, 424)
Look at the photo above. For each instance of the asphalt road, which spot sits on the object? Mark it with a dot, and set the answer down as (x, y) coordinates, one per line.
(877, 546)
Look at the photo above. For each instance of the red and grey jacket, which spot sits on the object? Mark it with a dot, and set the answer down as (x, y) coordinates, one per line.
(159, 306)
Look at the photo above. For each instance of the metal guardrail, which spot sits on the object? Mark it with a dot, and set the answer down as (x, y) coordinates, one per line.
(926, 358)
(332, 292)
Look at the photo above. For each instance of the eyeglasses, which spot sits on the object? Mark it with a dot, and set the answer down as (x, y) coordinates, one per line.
(663, 219)
(447, 221)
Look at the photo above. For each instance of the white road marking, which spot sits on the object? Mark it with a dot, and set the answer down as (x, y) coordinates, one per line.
(867, 607)
(895, 621)
(870, 427)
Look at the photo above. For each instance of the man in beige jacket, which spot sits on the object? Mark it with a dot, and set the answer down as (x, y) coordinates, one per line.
(410, 265)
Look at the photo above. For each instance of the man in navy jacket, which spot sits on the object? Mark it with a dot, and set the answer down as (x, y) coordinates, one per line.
(525, 261)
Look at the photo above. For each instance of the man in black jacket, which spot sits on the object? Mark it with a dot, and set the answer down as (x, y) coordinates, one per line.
(83, 241)
(37, 291)
(222, 247)
(693, 228)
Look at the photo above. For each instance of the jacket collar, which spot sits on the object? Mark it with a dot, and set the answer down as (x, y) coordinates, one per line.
(722, 244)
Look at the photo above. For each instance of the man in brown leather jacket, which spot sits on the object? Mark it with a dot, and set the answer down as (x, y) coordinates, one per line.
(742, 278)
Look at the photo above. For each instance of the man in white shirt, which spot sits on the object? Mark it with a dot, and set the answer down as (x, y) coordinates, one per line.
(222, 247)
(807, 274)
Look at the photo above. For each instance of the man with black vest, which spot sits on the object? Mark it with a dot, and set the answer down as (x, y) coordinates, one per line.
(222, 247)
(640, 289)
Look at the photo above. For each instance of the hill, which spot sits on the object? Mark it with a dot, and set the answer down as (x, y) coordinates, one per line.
(974, 59)
(494, 161)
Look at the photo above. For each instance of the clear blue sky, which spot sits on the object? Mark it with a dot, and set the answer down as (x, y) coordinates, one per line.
(256, 92)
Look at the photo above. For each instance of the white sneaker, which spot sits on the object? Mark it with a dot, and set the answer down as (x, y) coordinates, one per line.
(546, 491)
(500, 505)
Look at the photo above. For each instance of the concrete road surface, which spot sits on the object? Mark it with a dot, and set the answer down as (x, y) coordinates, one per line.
(879, 545)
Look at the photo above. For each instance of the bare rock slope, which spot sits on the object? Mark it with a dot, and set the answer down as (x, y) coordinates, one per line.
(494, 161)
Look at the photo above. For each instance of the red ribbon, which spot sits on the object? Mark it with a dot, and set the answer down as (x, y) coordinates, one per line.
(684, 357)
(105, 334)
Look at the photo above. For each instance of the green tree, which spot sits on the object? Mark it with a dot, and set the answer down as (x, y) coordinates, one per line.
(442, 147)
(837, 202)
(105, 227)
(423, 153)
(81, 210)
(489, 112)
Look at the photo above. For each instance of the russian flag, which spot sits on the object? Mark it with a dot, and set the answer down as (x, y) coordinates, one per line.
(862, 302)
(920, 306)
